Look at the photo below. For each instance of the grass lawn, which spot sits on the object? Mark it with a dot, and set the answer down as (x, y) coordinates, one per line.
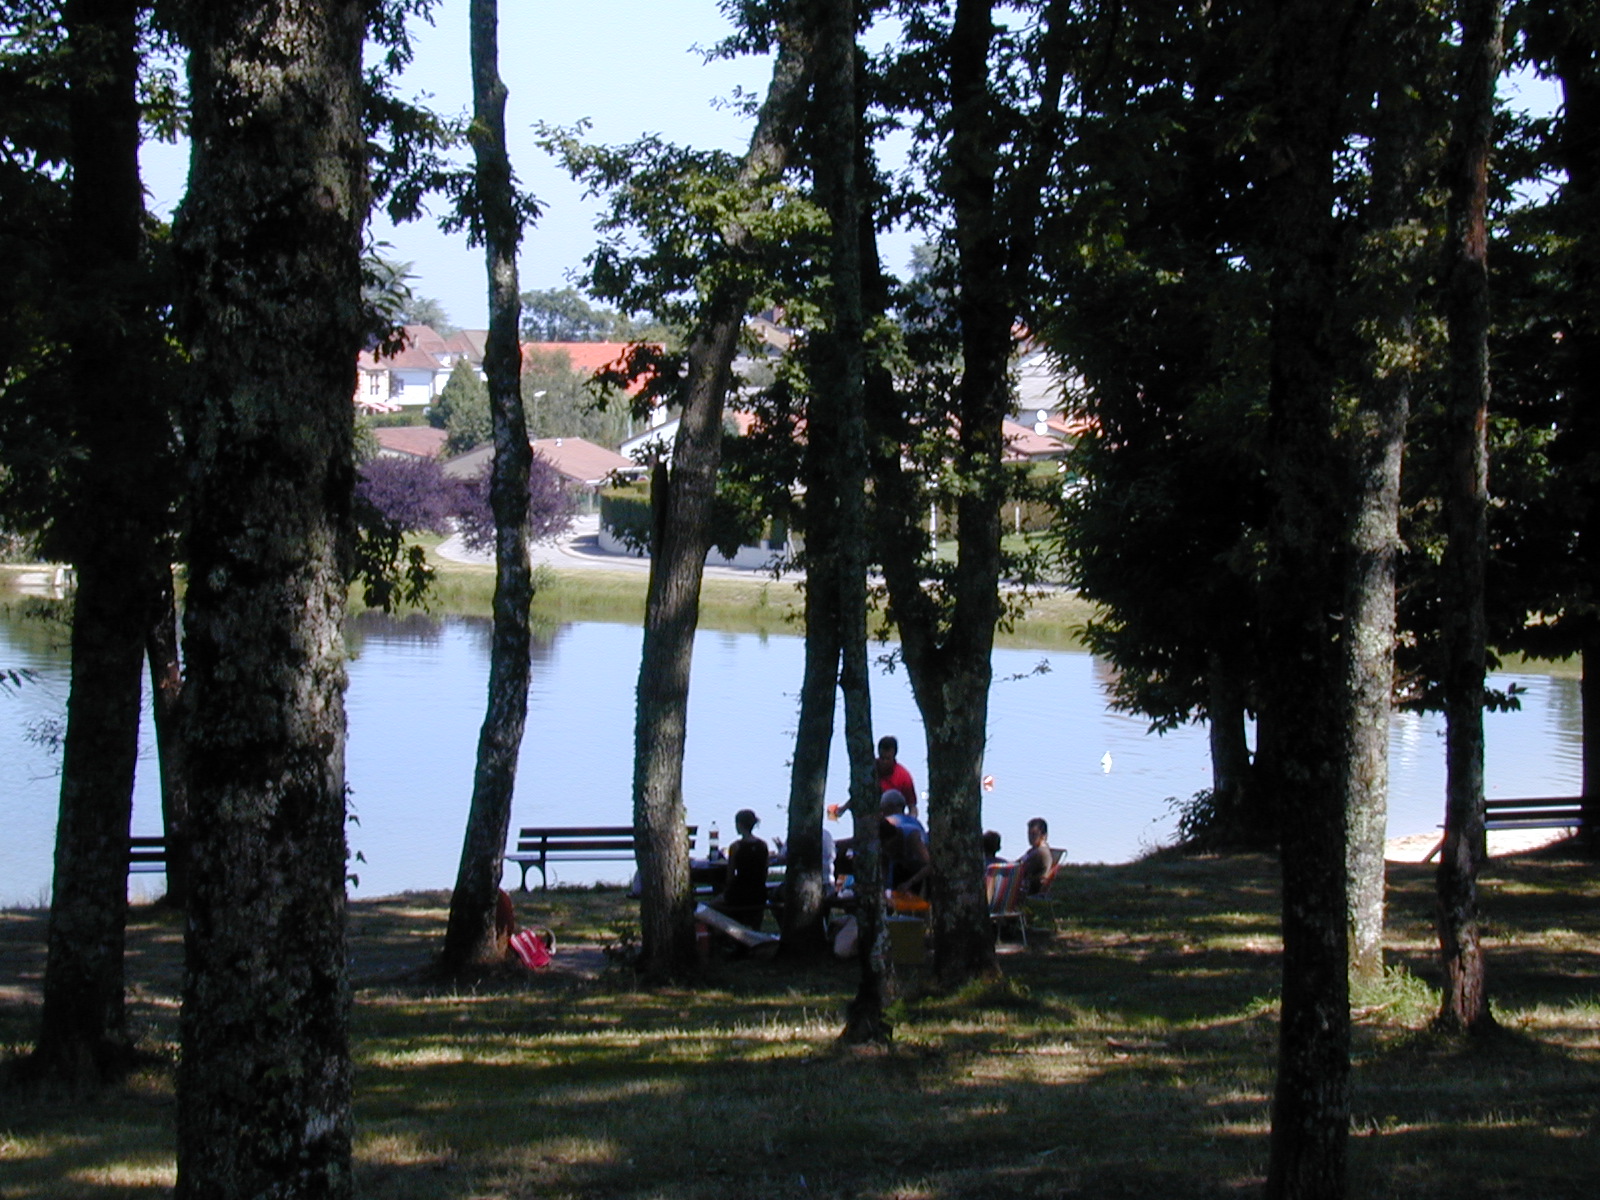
(1128, 1052)
(754, 603)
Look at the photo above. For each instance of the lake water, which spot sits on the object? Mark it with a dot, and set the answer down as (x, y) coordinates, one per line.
(417, 692)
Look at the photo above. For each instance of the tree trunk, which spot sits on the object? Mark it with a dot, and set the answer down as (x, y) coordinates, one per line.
(166, 688)
(1302, 764)
(804, 885)
(1377, 440)
(269, 251)
(995, 208)
(1232, 796)
(1577, 62)
(677, 564)
(83, 1037)
(838, 421)
(1466, 994)
(471, 938)
(1590, 692)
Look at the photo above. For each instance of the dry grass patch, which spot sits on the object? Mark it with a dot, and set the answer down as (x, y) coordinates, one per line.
(1129, 1052)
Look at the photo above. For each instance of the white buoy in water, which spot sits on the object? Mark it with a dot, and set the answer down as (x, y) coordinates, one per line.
(1105, 762)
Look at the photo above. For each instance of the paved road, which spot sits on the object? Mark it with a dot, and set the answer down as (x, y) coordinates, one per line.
(579, 549)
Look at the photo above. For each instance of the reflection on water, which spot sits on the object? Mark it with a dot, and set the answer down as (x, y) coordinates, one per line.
(418, 688)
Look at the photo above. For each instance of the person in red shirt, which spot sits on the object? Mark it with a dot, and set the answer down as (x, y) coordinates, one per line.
(892, 776)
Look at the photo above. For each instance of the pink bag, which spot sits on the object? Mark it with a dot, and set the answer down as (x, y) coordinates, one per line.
(534, 947)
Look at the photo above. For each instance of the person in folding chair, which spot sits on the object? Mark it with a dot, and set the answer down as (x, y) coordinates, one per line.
(1036, 863)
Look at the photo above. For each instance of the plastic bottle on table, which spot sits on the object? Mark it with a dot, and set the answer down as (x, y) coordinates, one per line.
(715, 852)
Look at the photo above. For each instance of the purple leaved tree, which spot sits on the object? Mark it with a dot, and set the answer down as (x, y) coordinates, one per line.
(550, 506)
(412, 494)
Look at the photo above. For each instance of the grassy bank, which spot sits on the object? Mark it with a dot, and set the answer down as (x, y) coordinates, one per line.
(1129, 1053)
(749, 604)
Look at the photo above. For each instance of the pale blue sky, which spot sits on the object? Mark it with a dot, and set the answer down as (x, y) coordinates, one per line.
(629, 66)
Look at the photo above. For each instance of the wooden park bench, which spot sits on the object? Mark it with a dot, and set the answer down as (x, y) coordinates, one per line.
(147, 856)
(538, 846)
(1555, 812)
(1548, 812)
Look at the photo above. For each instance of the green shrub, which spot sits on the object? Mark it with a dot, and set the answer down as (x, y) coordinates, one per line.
(625, 511)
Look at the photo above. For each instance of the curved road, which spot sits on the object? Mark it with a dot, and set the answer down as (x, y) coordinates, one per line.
(579, 549)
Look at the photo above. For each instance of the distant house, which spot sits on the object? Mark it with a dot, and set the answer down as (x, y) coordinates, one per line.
(1044, 397)
(414, 375)
(410, 441)
(657, 441)
(586, 357)
(581, 463)
(1029, 445)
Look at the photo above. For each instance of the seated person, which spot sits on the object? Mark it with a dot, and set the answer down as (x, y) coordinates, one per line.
(745, 898)
(1036, 863)
(894, 807)
(907, 863)
(991, 848)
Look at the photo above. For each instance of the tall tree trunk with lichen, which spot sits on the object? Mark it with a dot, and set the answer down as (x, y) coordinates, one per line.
(1302, 765)
(838, 402)
(1388, 289)
(1464, 627)
(1576, 59)
(683, 496)
(116, 512)
(804, 887)
(471, 938)
(268, 246)
(995, 209)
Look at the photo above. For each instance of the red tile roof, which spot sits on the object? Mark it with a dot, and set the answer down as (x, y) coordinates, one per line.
(587, 357)
(1023, 443)
(581, 460)
(419, 441)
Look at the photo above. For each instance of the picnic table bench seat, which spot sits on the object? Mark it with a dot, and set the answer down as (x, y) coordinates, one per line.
(539, 846)
(147, 856)
(1538, 812)
(1551, 812)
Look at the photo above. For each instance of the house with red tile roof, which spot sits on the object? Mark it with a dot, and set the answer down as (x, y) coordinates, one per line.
(581, 462)
(410, 441)
(1029, 445)
(415, 374)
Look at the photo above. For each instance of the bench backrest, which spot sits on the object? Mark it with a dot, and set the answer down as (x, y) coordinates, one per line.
(1515, 806)
(587, 839)
(147, 850)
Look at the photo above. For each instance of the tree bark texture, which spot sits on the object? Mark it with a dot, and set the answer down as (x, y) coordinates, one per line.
(804, 885)
(268, 245)
(995, 205)
(1302, 761)
(838, 402)
(1577, 62)
(1232, 793)
(677, 565)
(1590, 693)
(471, 938)
(1466, 503)
(1377, 441)
(109, 532)
(166, 691)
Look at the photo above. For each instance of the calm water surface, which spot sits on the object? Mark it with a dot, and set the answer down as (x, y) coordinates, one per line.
(416, 699)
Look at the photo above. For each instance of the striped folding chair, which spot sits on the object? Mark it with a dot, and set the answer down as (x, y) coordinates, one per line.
(1003, 882)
